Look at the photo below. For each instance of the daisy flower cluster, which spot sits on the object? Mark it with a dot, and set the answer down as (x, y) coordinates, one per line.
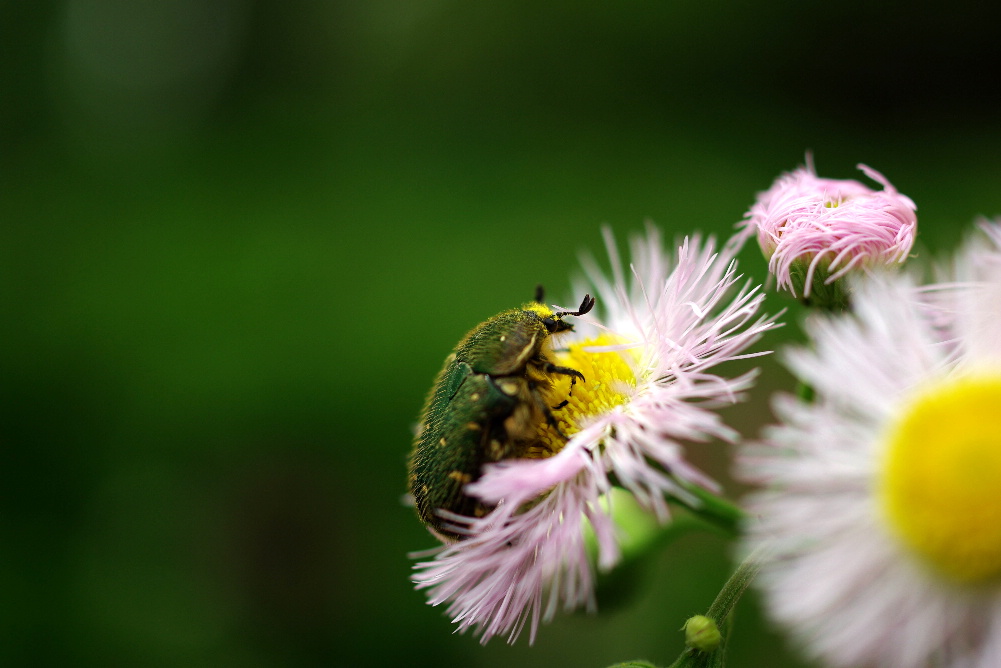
(875, 527)
(649, 361)
(880, 505)
(815, 230)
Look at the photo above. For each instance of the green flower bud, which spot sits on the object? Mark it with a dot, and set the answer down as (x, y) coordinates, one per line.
(701, 633)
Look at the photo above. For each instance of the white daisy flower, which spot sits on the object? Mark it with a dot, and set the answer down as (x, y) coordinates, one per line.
(881, 506)
(650, 387)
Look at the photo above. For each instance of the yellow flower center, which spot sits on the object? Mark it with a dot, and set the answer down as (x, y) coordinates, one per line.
(941, 480)
(608, 380)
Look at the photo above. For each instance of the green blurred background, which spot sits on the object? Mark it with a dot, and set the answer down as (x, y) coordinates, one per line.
(238, 238)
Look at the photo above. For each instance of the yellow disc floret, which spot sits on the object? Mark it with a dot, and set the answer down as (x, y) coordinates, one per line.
(941, 479)
(608, 380)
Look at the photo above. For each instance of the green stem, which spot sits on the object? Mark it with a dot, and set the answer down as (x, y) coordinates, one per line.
(720, 611)
(714, 510)
(735, 587)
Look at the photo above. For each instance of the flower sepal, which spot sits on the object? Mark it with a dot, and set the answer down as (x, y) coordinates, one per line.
(815, 290)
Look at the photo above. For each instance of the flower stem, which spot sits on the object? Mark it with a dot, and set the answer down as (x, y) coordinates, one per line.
(714, 510)
(735, 586)
(719, 612)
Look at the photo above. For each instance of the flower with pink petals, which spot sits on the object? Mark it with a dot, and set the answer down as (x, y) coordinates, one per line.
(815, 231)
(649, 388)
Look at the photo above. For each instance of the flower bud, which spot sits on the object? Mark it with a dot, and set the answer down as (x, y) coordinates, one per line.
(701, 633)
(815, 231)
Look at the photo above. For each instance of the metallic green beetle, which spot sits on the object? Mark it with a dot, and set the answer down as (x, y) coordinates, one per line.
(486, 405)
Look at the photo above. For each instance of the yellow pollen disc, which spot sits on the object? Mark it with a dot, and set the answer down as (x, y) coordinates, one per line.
(941, 480)
(608, 380)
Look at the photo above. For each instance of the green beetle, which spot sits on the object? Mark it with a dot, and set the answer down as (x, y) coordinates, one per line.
(487, 404)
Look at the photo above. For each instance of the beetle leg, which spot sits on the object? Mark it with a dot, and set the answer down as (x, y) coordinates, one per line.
(552, 422)
(565, 371)
(549, 367)
(546, 412)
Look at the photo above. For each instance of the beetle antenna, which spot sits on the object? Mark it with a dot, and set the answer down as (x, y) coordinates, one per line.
(539, 293)
(586, 305)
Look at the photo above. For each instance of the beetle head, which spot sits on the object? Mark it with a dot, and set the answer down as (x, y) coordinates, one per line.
(554, 323)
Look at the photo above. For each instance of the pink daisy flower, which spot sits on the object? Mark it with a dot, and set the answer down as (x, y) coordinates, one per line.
(815, 231)
(650, 387)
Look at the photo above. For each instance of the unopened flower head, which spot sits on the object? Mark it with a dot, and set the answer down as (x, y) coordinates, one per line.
(881, 497)
(815, 231)
(649, 387)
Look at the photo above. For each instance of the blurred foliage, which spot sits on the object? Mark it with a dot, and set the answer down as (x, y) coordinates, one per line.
(237, 238)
